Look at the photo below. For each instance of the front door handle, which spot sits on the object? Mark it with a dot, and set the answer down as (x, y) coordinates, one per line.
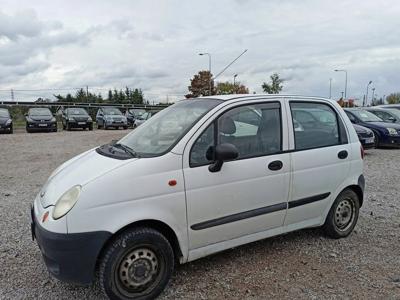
(275, 165)
(343, 154)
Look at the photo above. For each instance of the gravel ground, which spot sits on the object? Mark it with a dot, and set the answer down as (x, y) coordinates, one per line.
(301, 265)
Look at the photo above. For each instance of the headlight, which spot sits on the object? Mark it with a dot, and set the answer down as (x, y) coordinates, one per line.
(90, 119)
(66, 202)
(71, 119)
(53, 119)
(392, 131)
(9, 121)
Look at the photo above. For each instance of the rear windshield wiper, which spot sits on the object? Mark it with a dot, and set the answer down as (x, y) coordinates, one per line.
(126, 148)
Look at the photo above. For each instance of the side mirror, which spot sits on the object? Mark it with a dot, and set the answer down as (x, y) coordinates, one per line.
(223, 152)
(26, 114)
(392, 119)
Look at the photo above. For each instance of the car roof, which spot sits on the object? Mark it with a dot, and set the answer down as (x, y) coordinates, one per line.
(238, 97)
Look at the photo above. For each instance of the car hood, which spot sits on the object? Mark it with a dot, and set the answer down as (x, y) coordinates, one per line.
(39, 118)
(3, 120)
(379, 125)
(79, 170)
(361, 129)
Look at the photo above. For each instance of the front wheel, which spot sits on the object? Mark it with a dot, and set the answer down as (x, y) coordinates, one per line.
(343, 215)
(138, 264)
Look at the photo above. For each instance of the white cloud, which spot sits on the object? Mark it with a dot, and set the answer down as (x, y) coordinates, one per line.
(154, 45)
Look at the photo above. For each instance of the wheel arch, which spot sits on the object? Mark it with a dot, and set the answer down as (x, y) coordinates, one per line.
(160, 226)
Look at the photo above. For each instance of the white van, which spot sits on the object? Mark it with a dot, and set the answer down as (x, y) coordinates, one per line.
(201, 176)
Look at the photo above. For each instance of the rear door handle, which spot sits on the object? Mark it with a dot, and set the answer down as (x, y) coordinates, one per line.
(275, 165)
(343, 154)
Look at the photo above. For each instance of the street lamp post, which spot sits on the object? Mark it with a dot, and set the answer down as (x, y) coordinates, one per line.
(234, 83)
(366, 95)
(209, 70)
(345, 84)
(373, 95)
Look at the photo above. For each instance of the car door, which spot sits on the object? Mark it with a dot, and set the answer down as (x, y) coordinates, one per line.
(320, 162)
(249, 194)
(100, 117)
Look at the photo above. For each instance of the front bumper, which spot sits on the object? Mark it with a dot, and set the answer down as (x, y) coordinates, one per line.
(4, 127)
(80, 124)
(41, 126)
(390, 141)
(69, 257)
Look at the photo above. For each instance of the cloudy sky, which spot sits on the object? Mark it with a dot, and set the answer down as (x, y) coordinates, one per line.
(154, 45)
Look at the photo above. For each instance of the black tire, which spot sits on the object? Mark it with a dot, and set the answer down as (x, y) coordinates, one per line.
(68, 127)
(125, 127)
(343, 215)
(150, 251)
(11, 130)
(376, 141)
(63, 126)
(90, 127)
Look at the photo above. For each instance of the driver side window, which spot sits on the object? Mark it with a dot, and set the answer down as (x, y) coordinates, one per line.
(255, 130)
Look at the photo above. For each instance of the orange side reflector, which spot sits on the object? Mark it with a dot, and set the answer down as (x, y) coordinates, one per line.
(45, 216)
(172, 182)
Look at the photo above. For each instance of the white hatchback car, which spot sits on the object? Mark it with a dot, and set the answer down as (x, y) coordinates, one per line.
(201, 176)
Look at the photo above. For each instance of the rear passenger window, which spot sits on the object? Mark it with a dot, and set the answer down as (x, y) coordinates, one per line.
(315, 125)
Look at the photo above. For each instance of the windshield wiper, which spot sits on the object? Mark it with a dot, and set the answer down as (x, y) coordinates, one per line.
(126, 148)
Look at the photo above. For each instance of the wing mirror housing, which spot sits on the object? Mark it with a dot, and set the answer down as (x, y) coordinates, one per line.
(222, 153)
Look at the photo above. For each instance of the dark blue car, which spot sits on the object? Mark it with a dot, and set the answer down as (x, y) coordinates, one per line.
(386, 134)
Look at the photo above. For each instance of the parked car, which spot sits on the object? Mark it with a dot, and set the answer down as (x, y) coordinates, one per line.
(132, 114)
(143, 118)
(389, 115)
(202, 176)
(110, 117)
(40, 119)
(386, 134)
(366, 136)
(76, 117)
(6, 122)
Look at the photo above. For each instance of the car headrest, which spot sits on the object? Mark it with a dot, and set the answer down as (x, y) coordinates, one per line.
(227, 126)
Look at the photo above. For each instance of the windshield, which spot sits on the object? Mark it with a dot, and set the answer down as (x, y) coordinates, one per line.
(111, 111)
(366, 116)
(394, 112)
(166, 128)
(76, 111)
(40, 112)
(4, 113)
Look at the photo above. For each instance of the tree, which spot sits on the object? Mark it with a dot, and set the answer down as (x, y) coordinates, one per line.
(393, 98)
(200, 85)
(275, 86)
(226, 88)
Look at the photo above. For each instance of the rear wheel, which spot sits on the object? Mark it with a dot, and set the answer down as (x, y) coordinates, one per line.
(11, 129)
(343, 215)
(137, 265)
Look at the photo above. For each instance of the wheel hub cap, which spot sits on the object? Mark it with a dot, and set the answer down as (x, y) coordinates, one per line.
(138, 268)
(344, 214)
